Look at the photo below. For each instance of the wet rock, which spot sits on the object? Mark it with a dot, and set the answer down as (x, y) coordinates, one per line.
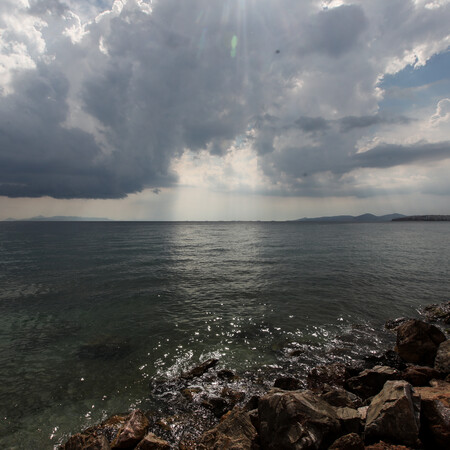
(419, 375)
(226, 374)
(435, 415)
(296, 352)
(417, 342)
(296, 420)
(350, 441)
(189, 393)
(287, 383)
(393, 415)
(389, 358)
(133, 430)
(252, 403)
(385, 446)
(234, 432)
(437, 312)
(442, 361)
(370, 381)
(217, 405)
(153, 442)
(199, 370)
(393, 324)
(341, 398)
(86, 441)
(349, 419)
(232, 395)
(331, 374)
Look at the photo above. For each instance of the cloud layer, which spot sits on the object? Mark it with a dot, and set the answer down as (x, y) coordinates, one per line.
(97, 100)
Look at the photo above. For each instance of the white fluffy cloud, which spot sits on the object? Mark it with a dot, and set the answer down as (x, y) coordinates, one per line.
(102, 99)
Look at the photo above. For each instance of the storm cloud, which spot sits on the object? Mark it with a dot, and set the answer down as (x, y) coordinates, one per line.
(99, 98)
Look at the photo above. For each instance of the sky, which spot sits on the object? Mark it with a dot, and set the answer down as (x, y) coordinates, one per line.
(224, 109)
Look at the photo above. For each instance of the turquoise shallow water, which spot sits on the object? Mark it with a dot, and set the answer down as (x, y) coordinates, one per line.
(91, 313)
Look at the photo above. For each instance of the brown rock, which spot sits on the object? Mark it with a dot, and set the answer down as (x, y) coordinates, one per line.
(133, 431)
(199, 370)
(287, 383)
(435, 415)
(218, 405)
(370, 381)
(393, 415)
(85, 441)
(234, 432)
(349, 419)
(419, 375)
(341, 398)
(442, 361)
(438, 312)
(417, 342)
(226, 374)
(153, 442)
(296, 420)
(348, 442)
(385, 446)
(331, 374)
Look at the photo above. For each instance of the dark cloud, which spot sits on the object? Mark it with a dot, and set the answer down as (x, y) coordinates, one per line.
(351, 122)
(312, 124)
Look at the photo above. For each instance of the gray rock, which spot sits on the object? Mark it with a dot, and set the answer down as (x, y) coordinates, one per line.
(442, 361)
(370, 381)
(296, 420)
(394, 415)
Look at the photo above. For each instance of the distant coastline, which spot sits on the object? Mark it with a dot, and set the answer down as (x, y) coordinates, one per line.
(432, 218)
(60, 219)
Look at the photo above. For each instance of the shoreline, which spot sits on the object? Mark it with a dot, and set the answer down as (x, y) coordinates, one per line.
(209, 407)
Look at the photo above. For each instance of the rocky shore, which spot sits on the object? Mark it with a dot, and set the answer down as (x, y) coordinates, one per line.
(399, 399)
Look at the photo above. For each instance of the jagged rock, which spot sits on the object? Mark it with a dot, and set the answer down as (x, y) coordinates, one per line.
(85, 441)
(296, 420)
(225, 374)
(331, 374)
(437, 312)
(393, 415)
(218, 405)
(417, 342)
(370, 381)
(442, 361)
(133, 430)
(349, 419)
(234, 432)
(350, 441)
(435, 414)
(232, 395)
(153, 442)
(389, 358)
(393, 324)
(287, 383)
(385, 446)
(341, 398)
(199, 370)
(420, 375)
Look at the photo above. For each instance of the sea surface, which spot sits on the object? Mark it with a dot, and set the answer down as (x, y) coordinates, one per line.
(92, 313)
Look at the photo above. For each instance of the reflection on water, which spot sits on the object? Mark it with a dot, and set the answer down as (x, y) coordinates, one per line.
(91, 313)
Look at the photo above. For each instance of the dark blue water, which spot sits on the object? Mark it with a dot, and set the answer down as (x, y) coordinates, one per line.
(90, 313)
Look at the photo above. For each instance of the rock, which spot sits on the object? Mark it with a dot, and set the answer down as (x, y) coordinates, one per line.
(341, 398)
(133, 430)
(388, 358)
(226, 374)
(384, 446)
(189, 393)
(86, 441)
(348, 442)
(437, 312)
(199, 370)
(419, 375)
(153, 442)
(393, 415)
(331, 374)
(349, 419)
(218, 405)
(370, 381)
(296, 420)
(232, 395)
(435, 415)
(234, 432)
(287, 383)
(393, 324)
(442, 361)
(417, 342)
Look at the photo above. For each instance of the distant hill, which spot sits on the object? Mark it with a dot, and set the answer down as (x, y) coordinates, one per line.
(430, 218)
(60, 219)
(364, 218)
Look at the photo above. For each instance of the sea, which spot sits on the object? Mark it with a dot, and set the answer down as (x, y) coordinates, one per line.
(93, 313)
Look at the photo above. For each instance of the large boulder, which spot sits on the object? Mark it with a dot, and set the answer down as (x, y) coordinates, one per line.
(133, 431)
(442, 361)
(435, 415)
(420, 375)
(370, 381)
(341, 398)
(296, 420)
(234, 432)
(394, 415)
(417, 342)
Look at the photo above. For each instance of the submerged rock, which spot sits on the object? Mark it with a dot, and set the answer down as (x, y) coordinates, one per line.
(201, 369)
(104, 349)
(437, 312)
(442, 361)
(417, 342)
(234, 432)
(296, 420)
(394, 415)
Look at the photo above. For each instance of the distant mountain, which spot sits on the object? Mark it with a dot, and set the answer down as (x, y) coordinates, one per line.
(429, 218)
(364, 218)
(61, 219)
